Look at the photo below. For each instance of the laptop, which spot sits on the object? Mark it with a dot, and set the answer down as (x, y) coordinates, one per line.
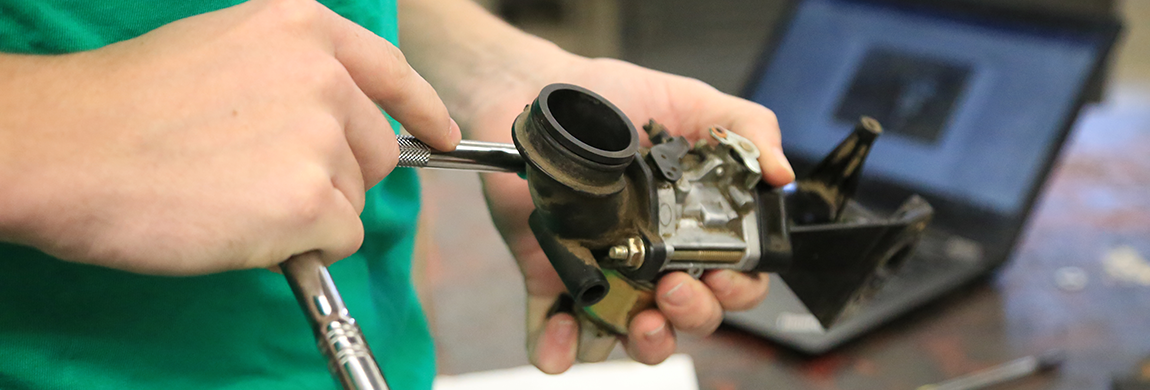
(975, 102)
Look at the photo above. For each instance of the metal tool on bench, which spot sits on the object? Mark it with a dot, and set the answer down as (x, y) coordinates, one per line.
(1002, 373)
(613, 217)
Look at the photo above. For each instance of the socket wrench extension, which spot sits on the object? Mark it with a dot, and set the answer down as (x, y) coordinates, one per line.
(469, 155)
(337, 335)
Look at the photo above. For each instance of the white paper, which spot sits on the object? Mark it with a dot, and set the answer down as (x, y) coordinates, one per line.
(676, 373)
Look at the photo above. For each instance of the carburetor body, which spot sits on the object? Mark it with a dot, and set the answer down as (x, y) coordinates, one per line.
(612, 217)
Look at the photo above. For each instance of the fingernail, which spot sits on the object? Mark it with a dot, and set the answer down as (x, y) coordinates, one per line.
(678, 295)
(454, 134)
(782, 161)
(723, 284)
(562, 330)
(655, 335)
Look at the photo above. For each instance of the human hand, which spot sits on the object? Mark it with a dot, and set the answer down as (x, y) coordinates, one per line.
(685, 305)
(229, 140)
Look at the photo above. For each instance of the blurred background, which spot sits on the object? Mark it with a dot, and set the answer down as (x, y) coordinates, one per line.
(1077, 281)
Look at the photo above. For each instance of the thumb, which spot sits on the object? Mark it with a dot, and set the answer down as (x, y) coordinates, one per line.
(552, 333)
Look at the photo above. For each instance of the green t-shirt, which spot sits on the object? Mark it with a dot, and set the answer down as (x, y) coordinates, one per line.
(71, 326)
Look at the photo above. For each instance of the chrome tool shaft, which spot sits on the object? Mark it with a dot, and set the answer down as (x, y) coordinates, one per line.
(338, 337)
(1001, 373)
(469, 155)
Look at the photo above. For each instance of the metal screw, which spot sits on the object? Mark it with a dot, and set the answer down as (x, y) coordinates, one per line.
(619, 252)
(629, 254)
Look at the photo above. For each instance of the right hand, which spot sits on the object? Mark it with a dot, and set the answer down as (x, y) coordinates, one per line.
(229, 140)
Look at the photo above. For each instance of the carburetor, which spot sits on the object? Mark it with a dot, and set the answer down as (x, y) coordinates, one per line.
(612, 217)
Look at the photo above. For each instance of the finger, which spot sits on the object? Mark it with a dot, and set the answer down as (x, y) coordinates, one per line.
(347, 176)
(552, 333)
(370, 137)
(323, 209)
(506, 196)
(761, 126)
(341, 232)
(336, 230)
(737, 290)
(688, 304)
(750, 120)
(382, 72)
(554, 347)
(331, 226)
(650, 339)
(539, 309)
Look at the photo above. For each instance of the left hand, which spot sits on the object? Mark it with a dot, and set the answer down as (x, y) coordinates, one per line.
(686, 107)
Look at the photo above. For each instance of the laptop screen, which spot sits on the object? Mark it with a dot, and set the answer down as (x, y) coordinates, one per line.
(972, 109)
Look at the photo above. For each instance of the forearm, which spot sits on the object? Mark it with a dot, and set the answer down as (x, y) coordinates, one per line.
(29, 107)
(475, 60)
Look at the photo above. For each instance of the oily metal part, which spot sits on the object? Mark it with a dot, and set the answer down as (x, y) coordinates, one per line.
(627, 299)
(708, 216)
(629, 255)
(612, 217)
(707, 219)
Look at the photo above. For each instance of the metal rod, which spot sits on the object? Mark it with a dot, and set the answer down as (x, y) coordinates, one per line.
(338, 337)
(706, 256)
(469, 155)
(1001, 373)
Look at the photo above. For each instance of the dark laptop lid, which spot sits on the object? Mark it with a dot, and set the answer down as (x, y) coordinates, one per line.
(975, 105)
